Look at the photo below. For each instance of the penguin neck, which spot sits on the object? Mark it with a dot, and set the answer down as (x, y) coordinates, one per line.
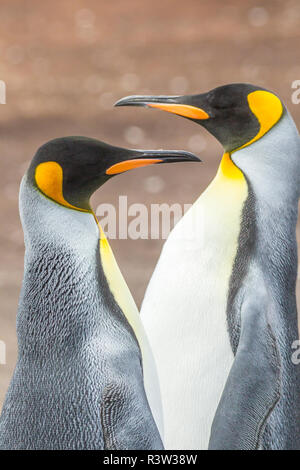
(72, 284)
(271, 167)
(65, 292)
(254, 196)
(60, 274)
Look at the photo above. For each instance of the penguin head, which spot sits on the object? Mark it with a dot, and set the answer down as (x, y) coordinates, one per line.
(237, 114)
(69, 170)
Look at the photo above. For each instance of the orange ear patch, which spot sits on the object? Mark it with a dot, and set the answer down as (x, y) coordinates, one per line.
(49, 179)
(267, 108)
(130, 164)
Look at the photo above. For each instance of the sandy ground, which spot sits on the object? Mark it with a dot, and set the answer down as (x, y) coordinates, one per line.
(66, 62)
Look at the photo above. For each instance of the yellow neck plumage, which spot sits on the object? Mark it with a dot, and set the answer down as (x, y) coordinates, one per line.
(119, 288)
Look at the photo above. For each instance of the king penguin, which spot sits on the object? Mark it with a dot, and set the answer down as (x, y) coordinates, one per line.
(85, 375)
(223, 330)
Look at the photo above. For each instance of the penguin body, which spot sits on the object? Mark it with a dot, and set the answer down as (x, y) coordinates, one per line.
(84, 361)
(68, 330)
(225, 369)
(262, 294)
(196, 266)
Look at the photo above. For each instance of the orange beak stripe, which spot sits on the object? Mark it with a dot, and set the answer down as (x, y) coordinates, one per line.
(130, 164)
(181, 109)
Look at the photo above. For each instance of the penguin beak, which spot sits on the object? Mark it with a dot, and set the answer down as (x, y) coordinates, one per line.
(173, 104)
(140, 158)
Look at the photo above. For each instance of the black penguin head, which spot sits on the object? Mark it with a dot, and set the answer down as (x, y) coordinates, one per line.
(236, 114)
(69, 170)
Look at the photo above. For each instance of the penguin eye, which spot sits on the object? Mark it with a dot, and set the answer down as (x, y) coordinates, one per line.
(223, 103)
(221, 100)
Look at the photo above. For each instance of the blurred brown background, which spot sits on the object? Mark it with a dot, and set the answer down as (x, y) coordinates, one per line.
(66, 62)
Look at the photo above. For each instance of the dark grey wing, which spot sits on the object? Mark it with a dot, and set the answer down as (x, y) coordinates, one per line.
(127, 421)
(253, 385)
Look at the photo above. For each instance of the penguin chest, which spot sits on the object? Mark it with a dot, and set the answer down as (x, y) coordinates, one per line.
(184, 312)
(124, 299)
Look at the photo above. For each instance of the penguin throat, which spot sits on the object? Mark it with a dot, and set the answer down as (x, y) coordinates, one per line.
(228, 169)
(118, 285)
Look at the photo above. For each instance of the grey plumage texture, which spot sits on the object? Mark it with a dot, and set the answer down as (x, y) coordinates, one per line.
(78, 382)
(260, 406)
